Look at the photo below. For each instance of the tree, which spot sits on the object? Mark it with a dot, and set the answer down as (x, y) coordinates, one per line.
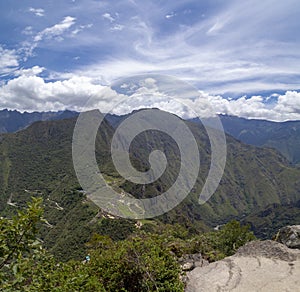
(232, 236)
(18, 243)
(139, 263)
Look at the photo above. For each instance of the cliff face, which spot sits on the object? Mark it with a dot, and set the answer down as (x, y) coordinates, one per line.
(257, 266)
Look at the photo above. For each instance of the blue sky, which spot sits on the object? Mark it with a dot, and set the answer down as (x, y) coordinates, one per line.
(242, 55)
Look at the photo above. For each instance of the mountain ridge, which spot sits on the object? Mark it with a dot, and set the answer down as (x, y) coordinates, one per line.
(283, 136)
(13, 120)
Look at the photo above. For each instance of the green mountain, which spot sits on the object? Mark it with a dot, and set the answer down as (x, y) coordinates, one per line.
(37, 161)
(284, 136)
(265, 223)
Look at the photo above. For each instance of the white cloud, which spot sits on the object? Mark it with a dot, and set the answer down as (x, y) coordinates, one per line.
(114, 69)
(37, 11)
(108, 17)
(81, 28)
(170, 15)
(114, 26)
(55, 30)
(8, 60)
(287, 107)
(217, 26)
(234, 49)
(35, 70)
(289, 103)
(27, 30)
(117, 27)
(30, 92)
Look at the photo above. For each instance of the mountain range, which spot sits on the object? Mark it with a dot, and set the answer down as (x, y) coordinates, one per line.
(13, 121)
(37, 161)
(283, 136)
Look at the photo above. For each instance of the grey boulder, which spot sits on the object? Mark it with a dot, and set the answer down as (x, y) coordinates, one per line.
(290, 236)
(257, 266)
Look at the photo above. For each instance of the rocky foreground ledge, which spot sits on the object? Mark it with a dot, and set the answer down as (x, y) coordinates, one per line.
(257, 266)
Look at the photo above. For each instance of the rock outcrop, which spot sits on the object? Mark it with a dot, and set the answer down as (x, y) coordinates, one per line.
(190, 261)
(257, 266)
(290, 236)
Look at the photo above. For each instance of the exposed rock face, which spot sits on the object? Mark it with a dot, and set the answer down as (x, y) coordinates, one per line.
(190, 261)
(290, 236)
(257, 266)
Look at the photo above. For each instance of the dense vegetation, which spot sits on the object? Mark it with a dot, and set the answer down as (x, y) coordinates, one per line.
(142, 262)
(266, 223)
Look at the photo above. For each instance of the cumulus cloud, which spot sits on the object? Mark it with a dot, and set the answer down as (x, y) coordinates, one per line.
(289, 103)
(286, 107)
(35, 70)
(30, 92)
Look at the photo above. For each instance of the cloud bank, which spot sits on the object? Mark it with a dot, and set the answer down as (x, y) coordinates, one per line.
(30, 92)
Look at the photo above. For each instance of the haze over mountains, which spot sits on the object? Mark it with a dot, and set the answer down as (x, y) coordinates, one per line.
(38, 160)
(13, 121)
(284, 136)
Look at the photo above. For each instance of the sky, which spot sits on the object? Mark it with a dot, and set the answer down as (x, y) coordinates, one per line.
(242, 56)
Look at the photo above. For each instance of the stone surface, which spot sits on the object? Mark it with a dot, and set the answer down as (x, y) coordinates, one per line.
(190, 261)
(188, 266)
(257, 266)
(290, 236)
